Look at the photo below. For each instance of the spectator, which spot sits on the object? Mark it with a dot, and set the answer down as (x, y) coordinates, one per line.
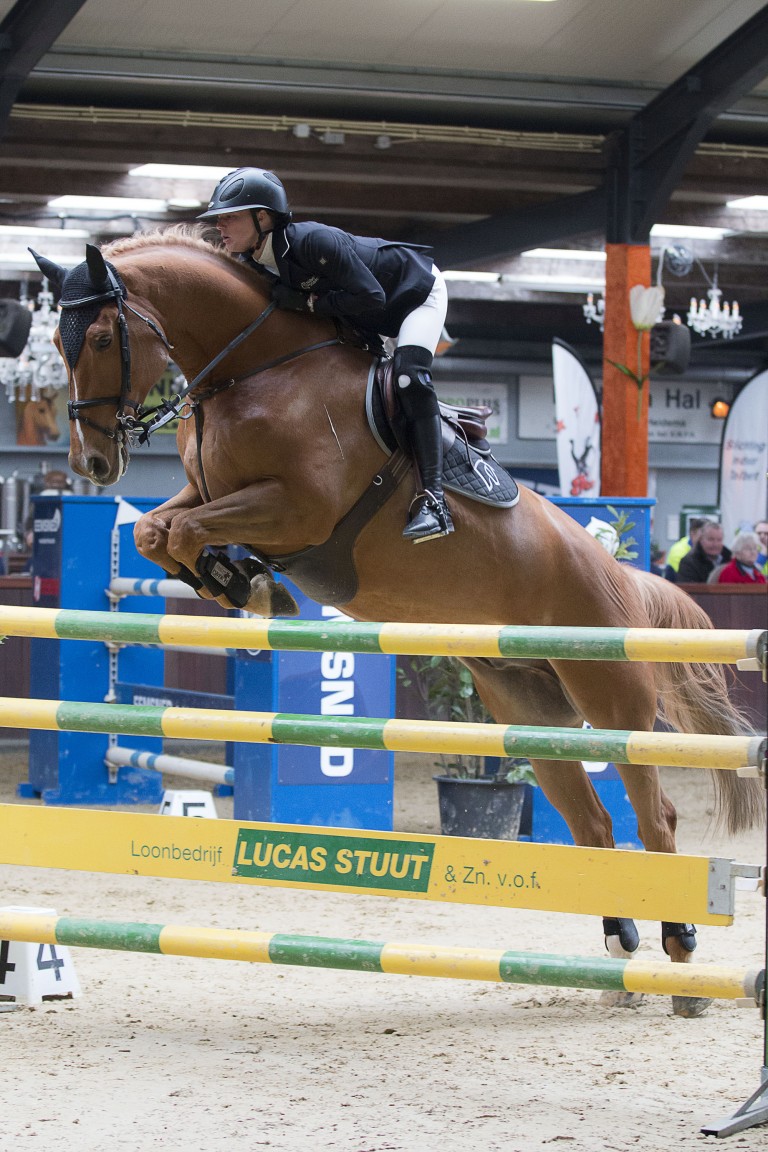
(761, 531)
(742, 569)
(683, 546)
(706, 554)
(657, 559)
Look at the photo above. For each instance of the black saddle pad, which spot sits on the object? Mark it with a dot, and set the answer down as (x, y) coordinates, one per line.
(475, 474)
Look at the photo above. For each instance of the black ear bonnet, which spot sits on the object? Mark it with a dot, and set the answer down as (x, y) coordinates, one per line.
(75, 320)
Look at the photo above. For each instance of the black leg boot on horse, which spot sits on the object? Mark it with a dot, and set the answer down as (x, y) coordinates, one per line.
(428, 515)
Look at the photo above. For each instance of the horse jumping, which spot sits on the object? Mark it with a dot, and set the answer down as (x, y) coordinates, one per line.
(277, 452)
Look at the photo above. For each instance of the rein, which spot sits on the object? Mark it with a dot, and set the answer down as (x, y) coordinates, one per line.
(126, 425)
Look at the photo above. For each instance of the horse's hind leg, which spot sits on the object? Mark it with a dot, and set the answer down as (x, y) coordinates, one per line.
(520, 692)
(569, 789)
(627, 700)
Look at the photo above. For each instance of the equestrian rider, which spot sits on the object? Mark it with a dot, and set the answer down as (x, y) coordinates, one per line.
(380, 287)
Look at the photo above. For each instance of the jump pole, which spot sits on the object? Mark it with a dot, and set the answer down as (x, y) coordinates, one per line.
(668, 748)
(661, 645)
(118, 757)
(489, 964)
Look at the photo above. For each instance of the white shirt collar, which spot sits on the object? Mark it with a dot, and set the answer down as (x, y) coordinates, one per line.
(267, 257)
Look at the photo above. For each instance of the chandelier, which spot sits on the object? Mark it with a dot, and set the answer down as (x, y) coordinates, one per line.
(594, 310)
(715, 318)
(39, 369)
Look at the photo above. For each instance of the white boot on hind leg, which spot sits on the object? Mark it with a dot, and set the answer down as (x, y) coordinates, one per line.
(621, 943)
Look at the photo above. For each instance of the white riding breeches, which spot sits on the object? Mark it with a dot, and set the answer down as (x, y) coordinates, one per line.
(424, 326)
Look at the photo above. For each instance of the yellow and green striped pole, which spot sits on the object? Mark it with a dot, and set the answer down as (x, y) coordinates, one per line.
(620, 747)
(492, 964)
(726, 646)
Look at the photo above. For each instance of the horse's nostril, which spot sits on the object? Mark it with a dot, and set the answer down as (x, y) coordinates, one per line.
(98, 467)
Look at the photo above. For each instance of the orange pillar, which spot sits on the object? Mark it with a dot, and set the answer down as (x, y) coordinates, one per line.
(624, 438)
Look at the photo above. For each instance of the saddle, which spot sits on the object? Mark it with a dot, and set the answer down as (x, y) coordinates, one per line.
(469, 466)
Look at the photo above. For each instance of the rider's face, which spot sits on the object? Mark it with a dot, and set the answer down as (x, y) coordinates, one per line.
(238, 231)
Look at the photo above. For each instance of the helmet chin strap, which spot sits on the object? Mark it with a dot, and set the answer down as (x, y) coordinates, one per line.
(262, 232)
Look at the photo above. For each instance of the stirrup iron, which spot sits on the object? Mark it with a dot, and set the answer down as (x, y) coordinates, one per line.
(430, 520)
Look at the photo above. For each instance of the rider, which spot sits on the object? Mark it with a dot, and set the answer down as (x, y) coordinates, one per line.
(381, 287)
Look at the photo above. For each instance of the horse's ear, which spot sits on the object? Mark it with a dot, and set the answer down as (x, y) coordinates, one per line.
(53, 272)
(97, 267)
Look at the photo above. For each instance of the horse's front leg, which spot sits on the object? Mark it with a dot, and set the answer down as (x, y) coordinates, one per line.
(233, 584)
(151, 532)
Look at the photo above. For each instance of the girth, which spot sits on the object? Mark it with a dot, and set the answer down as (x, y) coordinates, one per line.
(326, 572)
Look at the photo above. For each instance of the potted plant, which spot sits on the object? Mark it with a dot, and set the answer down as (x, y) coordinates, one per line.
(478, 795)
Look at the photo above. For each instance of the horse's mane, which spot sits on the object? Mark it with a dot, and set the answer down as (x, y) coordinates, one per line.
(192, 236)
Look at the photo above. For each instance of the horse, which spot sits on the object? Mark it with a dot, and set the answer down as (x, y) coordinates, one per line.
(278, 455)
(39, 424)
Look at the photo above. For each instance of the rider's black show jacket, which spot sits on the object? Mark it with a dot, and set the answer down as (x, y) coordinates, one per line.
(372, 283)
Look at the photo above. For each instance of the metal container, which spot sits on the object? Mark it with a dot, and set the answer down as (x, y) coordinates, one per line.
(9, 511)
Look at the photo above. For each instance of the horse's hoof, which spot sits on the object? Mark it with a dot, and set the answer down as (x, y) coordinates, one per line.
(690, 1006)
(283, 604)
(617, 999)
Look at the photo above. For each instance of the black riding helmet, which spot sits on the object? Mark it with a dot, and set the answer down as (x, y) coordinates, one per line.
(249, 188)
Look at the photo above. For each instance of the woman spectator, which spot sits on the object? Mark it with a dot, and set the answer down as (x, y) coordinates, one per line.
(742, 569)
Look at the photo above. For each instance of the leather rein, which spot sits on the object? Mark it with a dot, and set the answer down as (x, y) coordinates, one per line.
(138, 425)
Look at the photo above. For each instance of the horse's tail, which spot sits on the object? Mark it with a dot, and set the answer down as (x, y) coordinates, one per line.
(694, 698)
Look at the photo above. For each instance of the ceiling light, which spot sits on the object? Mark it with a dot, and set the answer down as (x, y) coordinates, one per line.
(301, 131)
(109, 203)
(179, 204)
(180, 171)
(473, 277)
(691, 231)
(33, 230)
(750, 203)
(564, 254)
(556, 283)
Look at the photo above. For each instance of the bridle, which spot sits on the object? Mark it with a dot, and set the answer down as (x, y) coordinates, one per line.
(124, 422)
(138, 425)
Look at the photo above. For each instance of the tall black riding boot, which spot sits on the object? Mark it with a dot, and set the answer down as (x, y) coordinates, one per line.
(428, 515)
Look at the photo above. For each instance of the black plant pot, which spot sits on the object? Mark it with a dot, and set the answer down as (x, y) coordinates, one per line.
(482, 807)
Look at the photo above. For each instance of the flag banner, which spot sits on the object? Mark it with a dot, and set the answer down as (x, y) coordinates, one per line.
(577, 427)
(744, 459)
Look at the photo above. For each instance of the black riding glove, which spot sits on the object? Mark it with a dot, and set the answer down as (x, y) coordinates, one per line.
(292, 299)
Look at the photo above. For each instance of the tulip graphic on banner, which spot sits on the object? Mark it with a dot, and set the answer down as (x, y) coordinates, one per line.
(744, 459)
(577, 416)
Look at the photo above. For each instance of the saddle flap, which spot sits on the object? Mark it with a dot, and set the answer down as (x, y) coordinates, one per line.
(471, 421)
(468, 464)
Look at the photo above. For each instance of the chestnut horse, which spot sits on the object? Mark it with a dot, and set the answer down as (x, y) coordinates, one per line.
(282, 455)
(38, 424)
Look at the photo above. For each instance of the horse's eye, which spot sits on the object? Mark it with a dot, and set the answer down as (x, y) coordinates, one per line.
(103, 341)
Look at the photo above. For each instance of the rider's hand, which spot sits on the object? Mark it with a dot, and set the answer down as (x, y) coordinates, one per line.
(292, 299)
